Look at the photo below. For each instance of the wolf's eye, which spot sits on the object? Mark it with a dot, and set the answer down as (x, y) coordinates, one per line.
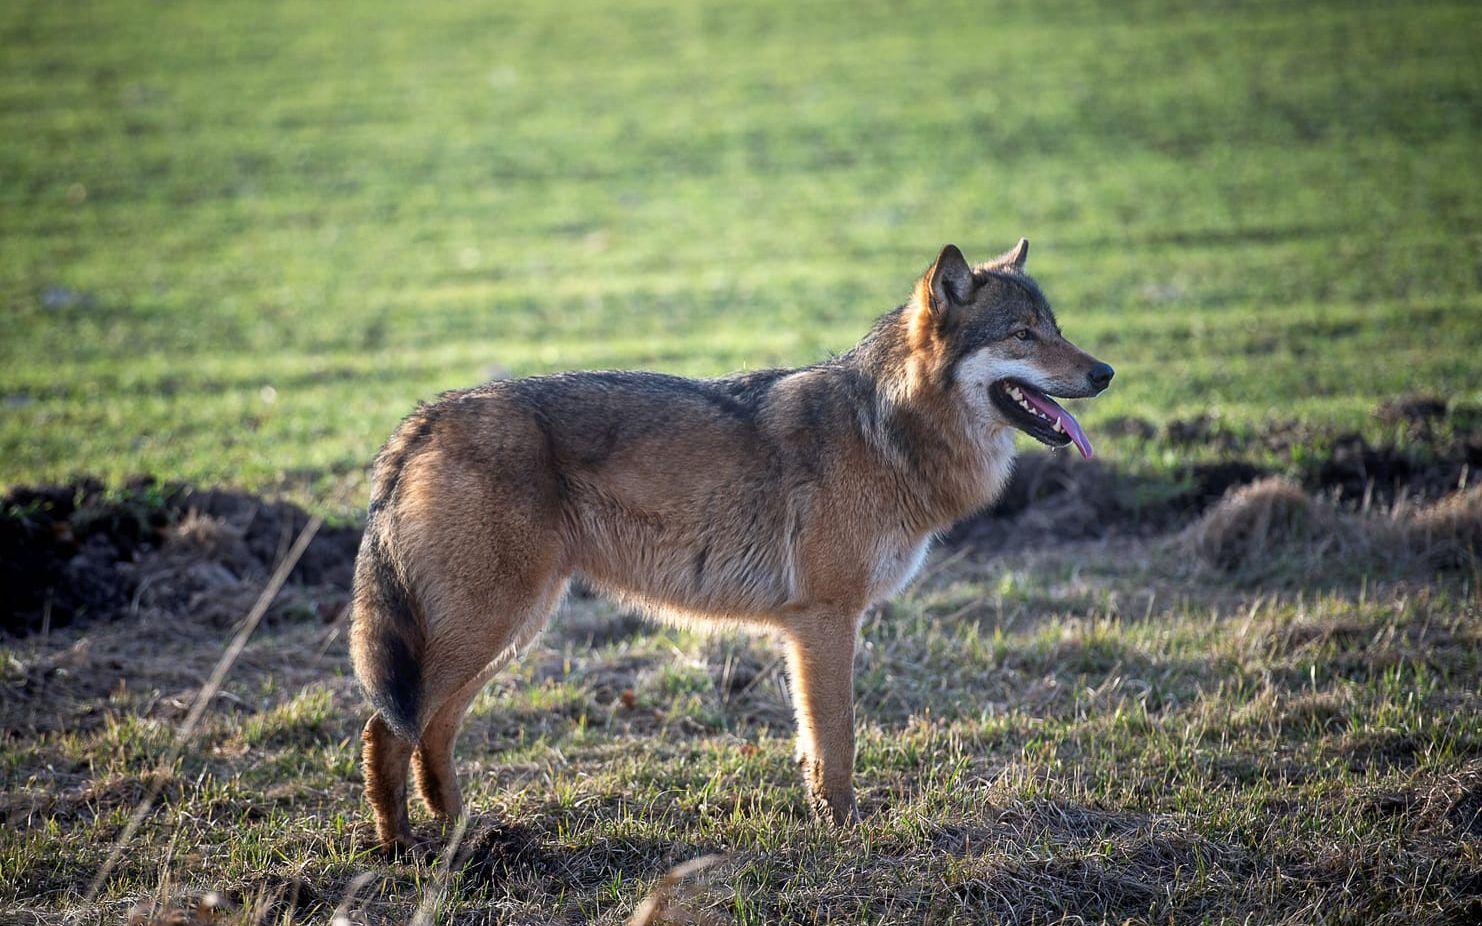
(1024, 334)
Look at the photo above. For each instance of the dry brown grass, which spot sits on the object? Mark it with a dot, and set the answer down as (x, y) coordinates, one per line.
(1450, 531)
(1068, 733)
(1272, 529)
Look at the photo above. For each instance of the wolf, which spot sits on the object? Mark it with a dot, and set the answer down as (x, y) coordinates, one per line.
(786, 499)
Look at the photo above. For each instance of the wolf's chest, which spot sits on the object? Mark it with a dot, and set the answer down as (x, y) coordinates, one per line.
(895, 566)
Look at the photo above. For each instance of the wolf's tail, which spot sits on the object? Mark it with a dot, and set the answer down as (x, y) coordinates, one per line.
(387, 634)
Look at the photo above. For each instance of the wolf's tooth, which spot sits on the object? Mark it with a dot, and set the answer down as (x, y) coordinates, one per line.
(1058, 428)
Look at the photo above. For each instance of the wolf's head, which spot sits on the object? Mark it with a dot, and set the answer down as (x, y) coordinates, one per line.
(986, 335)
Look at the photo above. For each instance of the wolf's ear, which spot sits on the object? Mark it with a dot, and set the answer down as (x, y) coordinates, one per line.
(1013, 258)
(949, 282)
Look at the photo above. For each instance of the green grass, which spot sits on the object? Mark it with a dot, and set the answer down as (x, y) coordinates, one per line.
(1078, 734)
(239, 244)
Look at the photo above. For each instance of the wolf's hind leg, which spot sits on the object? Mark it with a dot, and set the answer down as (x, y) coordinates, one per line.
(437, 780)
(385, 766)
(821, 664)
(479, 538)
(437, 777)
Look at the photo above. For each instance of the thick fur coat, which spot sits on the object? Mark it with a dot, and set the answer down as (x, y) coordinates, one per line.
(791, 499)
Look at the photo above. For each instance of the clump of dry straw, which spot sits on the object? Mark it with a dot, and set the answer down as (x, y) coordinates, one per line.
(1272, 527)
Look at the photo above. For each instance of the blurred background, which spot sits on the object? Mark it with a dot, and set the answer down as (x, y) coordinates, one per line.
(241, 240)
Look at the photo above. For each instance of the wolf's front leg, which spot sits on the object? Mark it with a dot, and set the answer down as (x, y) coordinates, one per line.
(821, 660)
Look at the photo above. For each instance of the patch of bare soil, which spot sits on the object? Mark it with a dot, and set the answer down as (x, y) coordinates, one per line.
(494, 850)
(82, 552)
(1055, 497)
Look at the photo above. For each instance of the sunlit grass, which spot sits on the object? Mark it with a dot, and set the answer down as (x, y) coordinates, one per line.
(239, 246)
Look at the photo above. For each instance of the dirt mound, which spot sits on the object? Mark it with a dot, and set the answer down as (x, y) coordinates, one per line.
(1355, 471)
(1056, 497)
(81, 551)
(1440, 445)
(1273, 527)
(1448, 532)
(1270, 518)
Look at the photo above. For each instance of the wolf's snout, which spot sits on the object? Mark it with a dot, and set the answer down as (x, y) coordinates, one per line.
(1101, 376)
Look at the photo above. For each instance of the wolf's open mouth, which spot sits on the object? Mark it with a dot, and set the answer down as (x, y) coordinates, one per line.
(1038, 415)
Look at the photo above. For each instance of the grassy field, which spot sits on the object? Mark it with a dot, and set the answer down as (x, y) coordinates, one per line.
(239, 241)
(239, 245)
(1071, 736)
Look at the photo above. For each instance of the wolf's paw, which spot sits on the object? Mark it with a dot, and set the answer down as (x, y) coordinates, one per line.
(838, 809)
(398, 848)
(845, 815)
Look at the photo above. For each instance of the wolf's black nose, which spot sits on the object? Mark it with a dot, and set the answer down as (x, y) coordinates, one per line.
(1101, 376)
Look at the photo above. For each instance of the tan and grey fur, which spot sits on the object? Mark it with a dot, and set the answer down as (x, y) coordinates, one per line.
(787, 499)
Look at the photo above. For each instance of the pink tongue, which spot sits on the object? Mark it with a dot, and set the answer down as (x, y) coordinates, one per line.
(1067, 421)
